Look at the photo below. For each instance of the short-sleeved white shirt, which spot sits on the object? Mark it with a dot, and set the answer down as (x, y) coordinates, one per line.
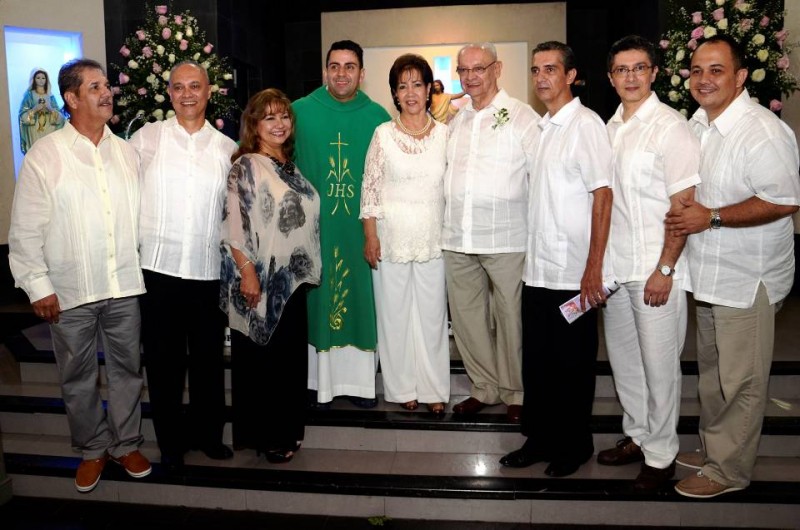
(746, 151)
(656, 155)
(573, 160)
(486, 182)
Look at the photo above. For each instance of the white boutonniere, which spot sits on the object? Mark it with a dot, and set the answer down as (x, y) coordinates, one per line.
(500, 118)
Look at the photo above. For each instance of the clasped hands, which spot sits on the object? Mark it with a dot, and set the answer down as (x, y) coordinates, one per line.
(690, 217)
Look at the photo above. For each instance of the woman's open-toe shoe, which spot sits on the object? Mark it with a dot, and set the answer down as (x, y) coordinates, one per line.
(279, 456)
(436, 408)
(410, 405)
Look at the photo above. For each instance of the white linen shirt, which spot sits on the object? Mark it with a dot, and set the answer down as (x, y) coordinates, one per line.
(746, 151)
(486, 182)
(656, 155)
(183, 190)
(74, 220)
(573, 160)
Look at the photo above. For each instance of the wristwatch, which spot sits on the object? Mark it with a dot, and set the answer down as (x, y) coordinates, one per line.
(716, 221)
(666, 270)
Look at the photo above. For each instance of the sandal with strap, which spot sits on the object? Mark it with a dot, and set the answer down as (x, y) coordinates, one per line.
(436, 408)
(410, 405)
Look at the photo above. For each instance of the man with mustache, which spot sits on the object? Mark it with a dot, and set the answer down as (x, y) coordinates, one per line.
(73, 249)
(184, 167)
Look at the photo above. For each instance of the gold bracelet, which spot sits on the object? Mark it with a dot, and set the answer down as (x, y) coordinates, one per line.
(245, 265)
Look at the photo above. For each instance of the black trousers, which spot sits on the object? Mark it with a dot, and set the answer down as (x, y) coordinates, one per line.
(182, 332)
(558, 375)
(269, 382)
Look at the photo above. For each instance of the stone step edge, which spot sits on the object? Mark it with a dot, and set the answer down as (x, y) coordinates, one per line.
(380, 419)
(431, 486)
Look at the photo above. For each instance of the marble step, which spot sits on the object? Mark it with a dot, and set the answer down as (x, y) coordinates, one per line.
(411, 485)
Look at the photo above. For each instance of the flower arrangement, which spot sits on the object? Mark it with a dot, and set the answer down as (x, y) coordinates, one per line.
(756, 24)
(500, 118)
(161, 42)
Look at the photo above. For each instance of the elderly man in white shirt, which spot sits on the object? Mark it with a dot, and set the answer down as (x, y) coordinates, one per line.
(489, 154)
(741, 258)
(73, 249)
(656, 162)
(184, 165)
(569, 211)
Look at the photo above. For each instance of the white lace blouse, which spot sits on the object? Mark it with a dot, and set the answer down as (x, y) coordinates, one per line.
(403, 190)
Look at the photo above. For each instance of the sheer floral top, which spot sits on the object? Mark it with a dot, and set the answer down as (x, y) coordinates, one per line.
(403, 191)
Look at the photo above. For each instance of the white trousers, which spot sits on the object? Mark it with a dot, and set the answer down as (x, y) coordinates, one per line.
(414, 348)
(644, 347)
(346, 371)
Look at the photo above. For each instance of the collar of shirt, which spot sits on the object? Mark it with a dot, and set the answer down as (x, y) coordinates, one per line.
(644, 113)
(562, 116)
(499, 101)
(73, 134)
(172, 123)
(726, 121)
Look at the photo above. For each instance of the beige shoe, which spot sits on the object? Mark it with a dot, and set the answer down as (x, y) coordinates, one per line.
(699, 486)
(693, 460)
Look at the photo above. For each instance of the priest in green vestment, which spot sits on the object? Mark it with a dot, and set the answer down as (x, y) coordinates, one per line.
(334, 127)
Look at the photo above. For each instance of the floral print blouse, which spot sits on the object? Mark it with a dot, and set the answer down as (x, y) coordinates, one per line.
(271, 215)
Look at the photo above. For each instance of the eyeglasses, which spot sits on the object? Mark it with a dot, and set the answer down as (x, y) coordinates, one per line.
(479, 70)
(623, 71)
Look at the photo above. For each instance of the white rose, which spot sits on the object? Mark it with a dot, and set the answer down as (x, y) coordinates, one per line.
(189, 32)
(170, 113)
(133, 64)
(165, 75)
(744, 8)
(122, 102)
(171, 57)
(762, 55)
(159, 98)
(675, 80)
(160, 50)
(758, 75)
(214, 88)
(151, 78)
(158, 114)
(684, 112)
(723, 24)
(720, 2)
(206, 65)
(227, 77)
(758, 39)
(674, 96)
(686, 84)
(179, 35)
(196, 56)
(709, 32)
(680, 55)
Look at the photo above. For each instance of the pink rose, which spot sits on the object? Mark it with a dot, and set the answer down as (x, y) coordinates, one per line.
(697, 17)
(764, 23)
(115, 90)
(783, 62)
(697, 32)
(684, 73)
(147, 51)
(142, 91)
(223, 91)
(166, 33)
(123, 78)
(124, 51)
(692, 44)
(780, 36)
(775, 105)
(178, 20)
(219, 123)
(746, 24)
(184, 44)
(115, 119)
(663, 44)
(156, 68)
(668, 71)
(161, 10)
(162, 20)
(718, 14)
(140, 34)
(208, 47)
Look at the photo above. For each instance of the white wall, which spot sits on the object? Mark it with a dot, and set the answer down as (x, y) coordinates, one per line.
(84, 16)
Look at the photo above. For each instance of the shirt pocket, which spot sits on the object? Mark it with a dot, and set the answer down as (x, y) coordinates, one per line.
(551, 251)
(643, 168)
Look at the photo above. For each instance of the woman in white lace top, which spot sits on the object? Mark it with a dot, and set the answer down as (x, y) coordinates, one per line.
(402, 204)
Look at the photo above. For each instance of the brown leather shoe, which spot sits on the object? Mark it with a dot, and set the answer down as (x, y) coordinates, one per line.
(135, 464)
(699, 486)
(88, 474)
(468, 407)
(693, 460)
(652, 478)
(626, 452)
(514, 413)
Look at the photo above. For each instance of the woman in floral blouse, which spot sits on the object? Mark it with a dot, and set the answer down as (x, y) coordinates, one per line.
(270, 249)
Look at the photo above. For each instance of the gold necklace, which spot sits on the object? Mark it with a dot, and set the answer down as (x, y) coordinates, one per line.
(414, 133)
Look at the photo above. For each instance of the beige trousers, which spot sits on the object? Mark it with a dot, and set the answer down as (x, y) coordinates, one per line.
(493, 362)
(734, 355)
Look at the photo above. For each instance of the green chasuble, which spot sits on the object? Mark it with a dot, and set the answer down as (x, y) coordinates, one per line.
(331, 144)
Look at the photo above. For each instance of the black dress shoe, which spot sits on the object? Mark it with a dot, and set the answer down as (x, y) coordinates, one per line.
(468, 407)
(521, 458)
(172, 463)
(514, 413)
(363, 403)
(652, 479)
(217, 451)
(563, 468)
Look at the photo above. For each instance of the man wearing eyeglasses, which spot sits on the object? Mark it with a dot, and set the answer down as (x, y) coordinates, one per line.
(490, 151)
(569, 209)
(656, 163)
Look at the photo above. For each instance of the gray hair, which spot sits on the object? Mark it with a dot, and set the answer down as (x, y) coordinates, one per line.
(190, 62)
(488, 47)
